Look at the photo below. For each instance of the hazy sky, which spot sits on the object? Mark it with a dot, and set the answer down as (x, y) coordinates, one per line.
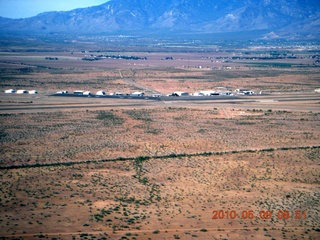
(30, 8)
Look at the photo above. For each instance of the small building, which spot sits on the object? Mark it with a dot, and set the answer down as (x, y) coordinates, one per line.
(240, 90)
(116, 94)
(248, 92)
(181, 94)
(198, 94)
(209, 93)
(21, 91)
(33, 92)
(156, 95)
(101, 93)
(244, 91)
(62, 92)
(228, 93)
(172, 95)
(87, 93)
(9, 91)
(78, 92)
(137, 94)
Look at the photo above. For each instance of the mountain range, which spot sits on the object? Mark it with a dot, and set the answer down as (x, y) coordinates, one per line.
(275, 18)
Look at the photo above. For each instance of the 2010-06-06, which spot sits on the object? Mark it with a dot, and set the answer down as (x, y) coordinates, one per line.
(263, 214)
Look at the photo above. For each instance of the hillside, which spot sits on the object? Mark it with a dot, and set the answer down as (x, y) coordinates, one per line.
(284, 18)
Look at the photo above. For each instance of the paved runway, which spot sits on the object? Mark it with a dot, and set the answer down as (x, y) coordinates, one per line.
(34, 103)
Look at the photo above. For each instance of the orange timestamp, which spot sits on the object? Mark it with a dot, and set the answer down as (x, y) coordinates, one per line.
(263, 214)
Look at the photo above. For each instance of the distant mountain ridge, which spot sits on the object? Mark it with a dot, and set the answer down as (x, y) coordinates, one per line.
(286, 18)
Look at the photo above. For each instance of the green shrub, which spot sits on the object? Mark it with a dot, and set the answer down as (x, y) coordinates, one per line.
(109, 118)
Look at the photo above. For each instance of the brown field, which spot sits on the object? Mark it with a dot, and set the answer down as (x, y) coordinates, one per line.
(142, 169)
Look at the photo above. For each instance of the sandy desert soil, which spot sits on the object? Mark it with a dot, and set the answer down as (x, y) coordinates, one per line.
(167, 198)
(189, 72)
(45, 137)
(161, 170)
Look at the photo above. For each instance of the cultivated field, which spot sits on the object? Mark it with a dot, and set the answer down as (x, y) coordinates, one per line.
(93, 168)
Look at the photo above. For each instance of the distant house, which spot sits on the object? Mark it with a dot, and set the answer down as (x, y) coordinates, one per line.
(21, 91)
(9, 91)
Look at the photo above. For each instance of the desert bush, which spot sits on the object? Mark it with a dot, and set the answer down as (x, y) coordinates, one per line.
(109, 118)
(156, 231)
(142, 115)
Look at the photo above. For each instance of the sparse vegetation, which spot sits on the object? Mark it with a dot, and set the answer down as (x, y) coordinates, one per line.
(126, 169)
(109, 118)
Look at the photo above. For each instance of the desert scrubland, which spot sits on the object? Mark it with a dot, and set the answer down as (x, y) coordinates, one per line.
(159, 170)
(61, 136)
